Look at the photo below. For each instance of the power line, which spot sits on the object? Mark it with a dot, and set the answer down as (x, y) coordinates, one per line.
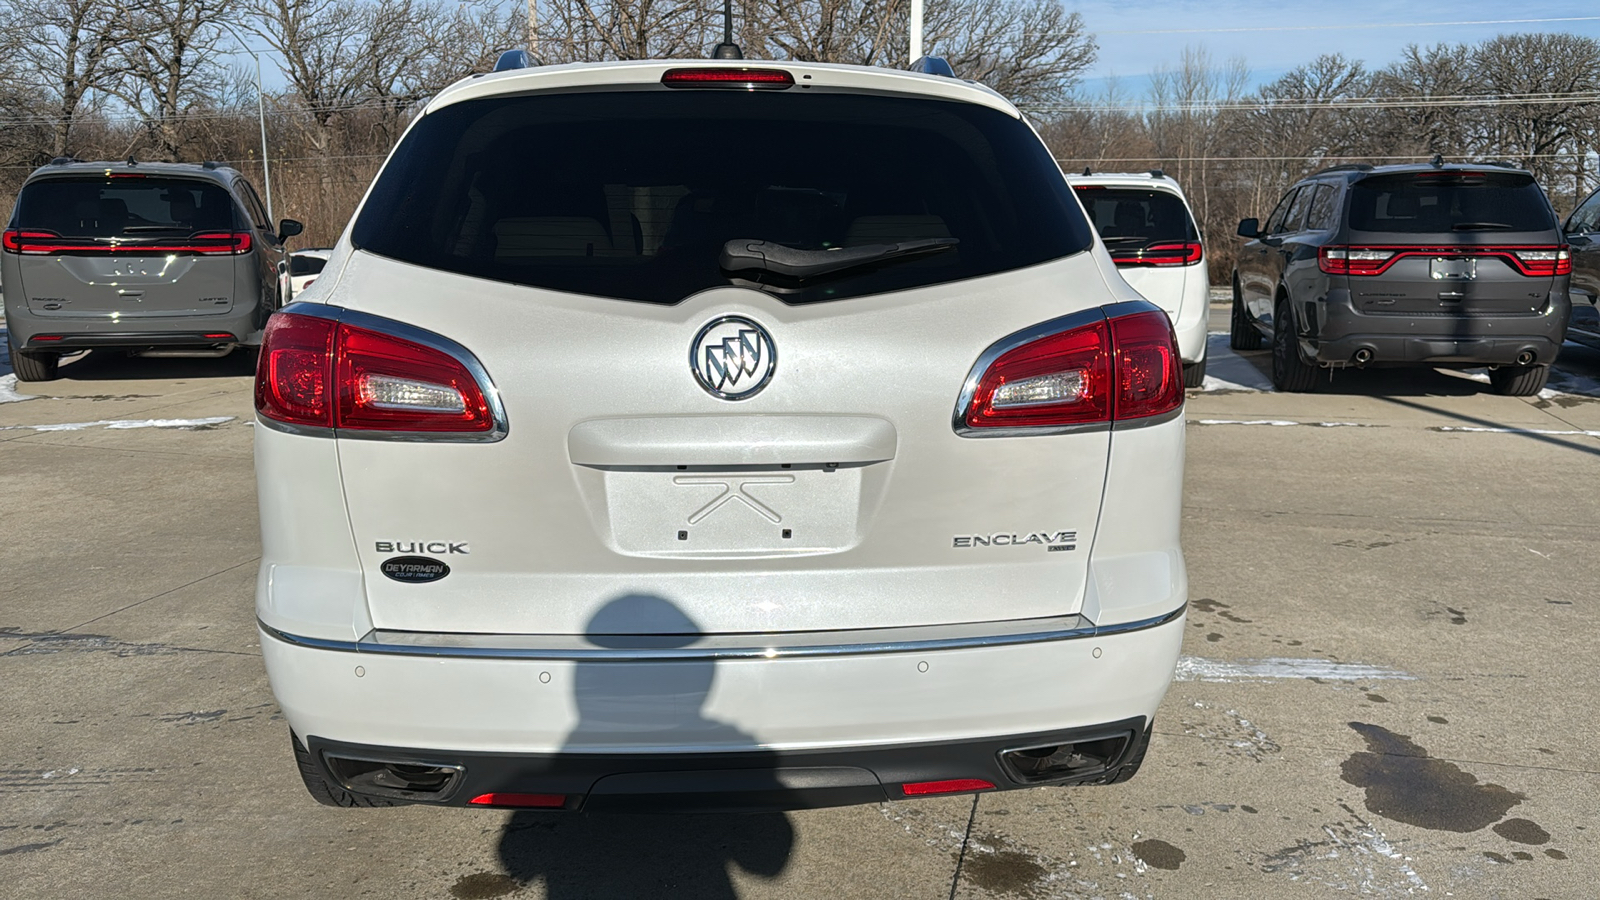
(1353, 26)
(1353, 103)
(1305, 159)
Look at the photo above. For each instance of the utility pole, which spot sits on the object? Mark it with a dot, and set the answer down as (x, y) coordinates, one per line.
(916, 30)
(533, 28)
(261, 116)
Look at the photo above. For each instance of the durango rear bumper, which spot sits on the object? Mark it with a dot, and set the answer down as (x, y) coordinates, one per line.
(513, 721)
(1345, 336)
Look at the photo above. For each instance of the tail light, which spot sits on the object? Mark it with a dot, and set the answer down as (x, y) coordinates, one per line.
(316, 372)
(1545, 261)
(48, 243)
(1104, 370)
(1168, 253)
(728, 77)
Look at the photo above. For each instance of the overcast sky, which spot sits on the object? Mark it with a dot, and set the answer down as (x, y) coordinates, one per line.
(1130, 51)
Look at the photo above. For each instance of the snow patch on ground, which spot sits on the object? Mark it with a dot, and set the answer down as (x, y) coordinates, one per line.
(1228, 371)
(124, 424)
(1195, 668)
(1485, 430)
(8, 390)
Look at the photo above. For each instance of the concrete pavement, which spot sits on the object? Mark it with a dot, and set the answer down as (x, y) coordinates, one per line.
(1388, 686)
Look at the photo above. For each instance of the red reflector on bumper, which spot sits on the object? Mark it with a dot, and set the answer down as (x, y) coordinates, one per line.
(539, 801)
(954, 786)
(46, 337)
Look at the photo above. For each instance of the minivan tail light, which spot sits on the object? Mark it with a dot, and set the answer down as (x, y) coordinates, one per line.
(1122, 368)
(321, 373)
(726, 77)
(1167, 253)
(48, 243)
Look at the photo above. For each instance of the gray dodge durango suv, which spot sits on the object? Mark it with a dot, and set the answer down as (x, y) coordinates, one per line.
(137, 256)
(1416, 265)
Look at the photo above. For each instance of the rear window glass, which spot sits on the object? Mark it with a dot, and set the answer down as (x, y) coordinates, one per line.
(306, 265)
(1129, 218)
(632, 194)
(132, 207)
(1435, 202)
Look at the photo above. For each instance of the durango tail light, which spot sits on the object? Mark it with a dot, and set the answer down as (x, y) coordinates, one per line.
(1166, 253)
(316, 372)
(1107, 369)
(1543, 261)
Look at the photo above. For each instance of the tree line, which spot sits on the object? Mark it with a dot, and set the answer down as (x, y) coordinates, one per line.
(162, 79)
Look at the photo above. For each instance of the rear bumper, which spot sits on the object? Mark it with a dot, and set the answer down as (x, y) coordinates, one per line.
(715, 782)
(514, 718)
(131, 339)
(132, 333)
(1343, 334)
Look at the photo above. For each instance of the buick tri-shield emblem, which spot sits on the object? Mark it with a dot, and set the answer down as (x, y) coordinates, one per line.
(733, 358)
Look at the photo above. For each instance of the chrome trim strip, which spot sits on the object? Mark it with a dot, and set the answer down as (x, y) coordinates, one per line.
(439, 342)
(1010, 342)
(713, 647)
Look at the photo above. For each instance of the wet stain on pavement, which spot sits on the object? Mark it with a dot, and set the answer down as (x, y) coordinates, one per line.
(1522, 831)
(482, 886)
(1523, 855)
(1004, 871)
(1208, 605)
(1439, 720)
(1213, 637)
(1159, 854)
(1555, 854)
(1405, 784)
(1457, 617)
(1495, 857)
(1377, 698)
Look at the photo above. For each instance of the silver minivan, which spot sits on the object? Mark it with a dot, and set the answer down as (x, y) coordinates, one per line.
(138, 256)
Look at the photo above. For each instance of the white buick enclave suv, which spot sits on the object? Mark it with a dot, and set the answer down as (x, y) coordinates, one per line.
(717, 435)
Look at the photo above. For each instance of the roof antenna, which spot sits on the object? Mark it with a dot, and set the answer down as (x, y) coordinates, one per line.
(727, 49)
(1438, 161)
(1086, 170)
(132, 161)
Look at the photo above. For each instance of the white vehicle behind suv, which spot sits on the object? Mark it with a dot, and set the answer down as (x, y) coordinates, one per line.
(1146, 224)
(717, 434)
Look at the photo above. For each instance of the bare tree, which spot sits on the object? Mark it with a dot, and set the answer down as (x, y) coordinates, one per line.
(1530, 76)
(317, 44)
(1032, 51)
(171, 64)
(580, 30)
(1429, 85)
(66, 51)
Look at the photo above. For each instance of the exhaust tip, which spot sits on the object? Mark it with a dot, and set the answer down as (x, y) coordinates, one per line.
(1524, 358)
(396, 779)
(1054, 762)
(1363, 356)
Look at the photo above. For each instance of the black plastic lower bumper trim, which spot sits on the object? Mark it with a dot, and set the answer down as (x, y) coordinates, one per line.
(741, 781)
(132, 340)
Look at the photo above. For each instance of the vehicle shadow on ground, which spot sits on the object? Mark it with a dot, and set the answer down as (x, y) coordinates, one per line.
(624, 854)
(1377, 382)
(117, 365)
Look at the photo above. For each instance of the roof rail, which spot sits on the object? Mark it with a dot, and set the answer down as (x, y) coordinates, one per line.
(1344, 167)
(513, 59)
(933, 65)
(1501, 163)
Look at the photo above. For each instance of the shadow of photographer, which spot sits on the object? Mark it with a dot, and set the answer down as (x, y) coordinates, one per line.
(638, 708)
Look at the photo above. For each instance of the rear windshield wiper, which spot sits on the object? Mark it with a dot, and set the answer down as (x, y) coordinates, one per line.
(743, 254)
(1481, 226)
(1126, 239)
